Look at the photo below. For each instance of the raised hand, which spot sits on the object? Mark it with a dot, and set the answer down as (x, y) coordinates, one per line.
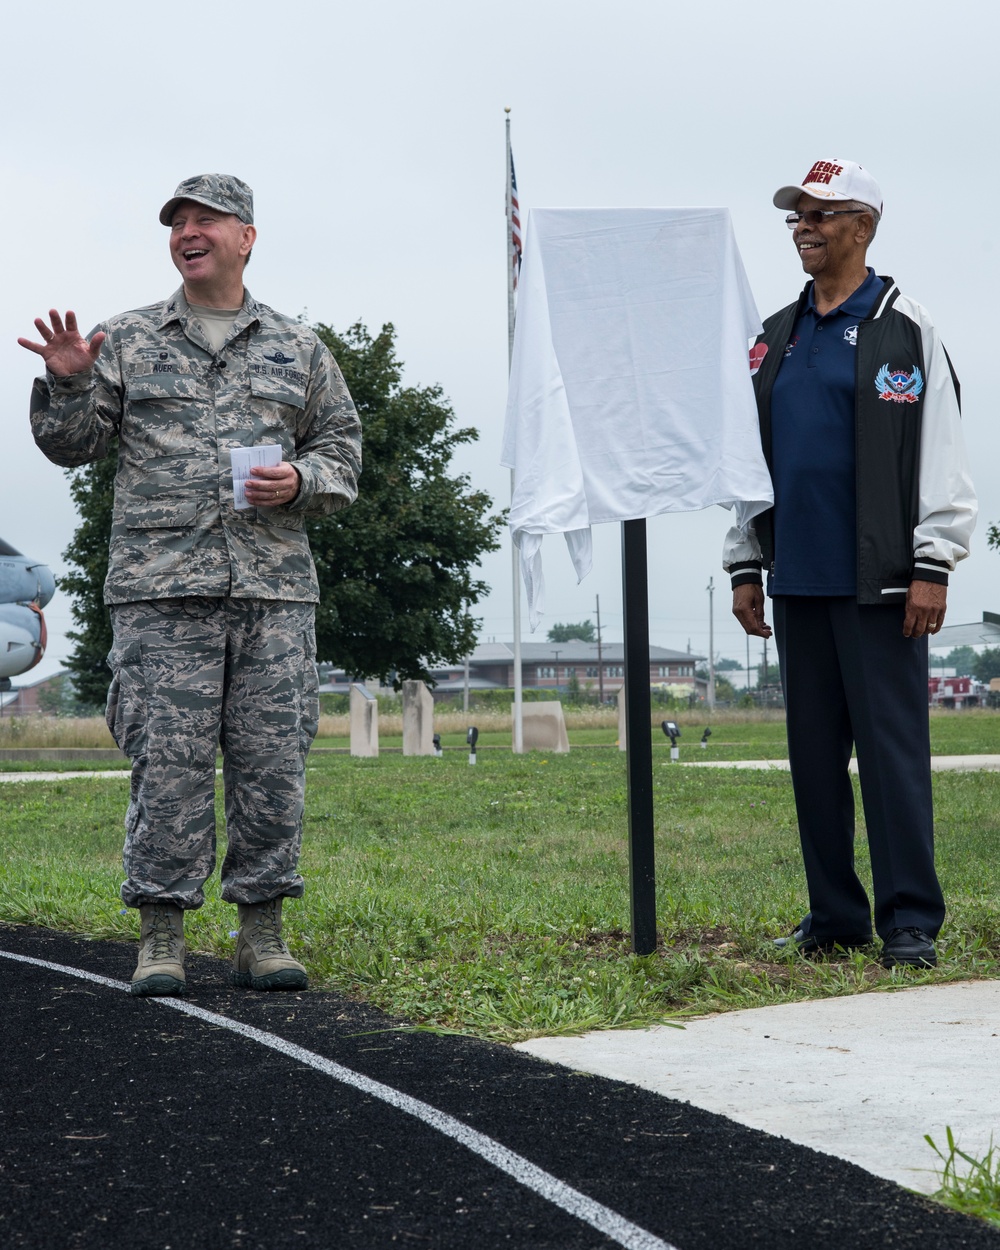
(64, 349)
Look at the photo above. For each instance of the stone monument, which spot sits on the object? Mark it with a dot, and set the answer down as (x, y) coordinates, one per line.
(544, 727)
(364, 722)
(418, 719)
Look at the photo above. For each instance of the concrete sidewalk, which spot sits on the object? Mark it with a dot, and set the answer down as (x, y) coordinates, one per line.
(53, 776)
(939, 764)
(862, 1077)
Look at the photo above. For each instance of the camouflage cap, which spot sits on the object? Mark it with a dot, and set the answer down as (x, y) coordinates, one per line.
(220, 191)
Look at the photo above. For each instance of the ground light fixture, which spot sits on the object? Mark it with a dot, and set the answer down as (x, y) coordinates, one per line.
(436, 740)
(705, 737)
(670, 728)
(471, 738)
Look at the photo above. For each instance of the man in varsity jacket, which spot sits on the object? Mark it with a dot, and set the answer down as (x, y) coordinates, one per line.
(873, 507)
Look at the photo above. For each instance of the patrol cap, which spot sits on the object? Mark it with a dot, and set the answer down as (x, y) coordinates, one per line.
(219, 191)
(833, 180)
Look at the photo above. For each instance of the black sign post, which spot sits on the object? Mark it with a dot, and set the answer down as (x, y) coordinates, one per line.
(638, 737)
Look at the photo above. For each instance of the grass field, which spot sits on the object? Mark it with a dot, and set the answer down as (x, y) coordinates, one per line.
(735, 734)
(494, 900)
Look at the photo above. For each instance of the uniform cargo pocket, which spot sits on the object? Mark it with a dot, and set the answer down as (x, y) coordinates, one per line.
(309, 698)
(142, 388)
(287, 526)
(166, 414)
(126, 710)
(164, 513)
(270, 390)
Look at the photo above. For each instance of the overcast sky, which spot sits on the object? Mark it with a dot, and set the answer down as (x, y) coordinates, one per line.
(373, 137)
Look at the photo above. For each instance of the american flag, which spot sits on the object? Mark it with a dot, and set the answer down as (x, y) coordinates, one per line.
(515, 225)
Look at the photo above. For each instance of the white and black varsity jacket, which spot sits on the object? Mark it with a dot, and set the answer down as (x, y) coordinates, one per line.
(916, 505)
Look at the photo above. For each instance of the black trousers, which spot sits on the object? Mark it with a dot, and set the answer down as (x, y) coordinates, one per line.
(851, 679)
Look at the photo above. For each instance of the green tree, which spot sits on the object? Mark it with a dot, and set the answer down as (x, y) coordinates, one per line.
(993, 537)
(57, 697)
(987, 665)
(583, 632)
(396, 568)
(961, 659)
(92, 490)
(723, 665)
(724, 689)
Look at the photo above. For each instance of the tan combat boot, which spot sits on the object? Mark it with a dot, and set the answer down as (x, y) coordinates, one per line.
(262, 960)
(161, 950)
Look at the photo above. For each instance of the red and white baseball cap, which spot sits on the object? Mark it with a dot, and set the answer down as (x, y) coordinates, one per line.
(833, 180)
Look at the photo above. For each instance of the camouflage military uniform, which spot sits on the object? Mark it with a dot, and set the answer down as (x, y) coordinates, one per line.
(190, 673)
(178, 409)
(212, 607)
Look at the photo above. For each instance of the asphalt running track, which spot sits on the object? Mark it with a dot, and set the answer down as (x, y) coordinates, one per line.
(257, 1121)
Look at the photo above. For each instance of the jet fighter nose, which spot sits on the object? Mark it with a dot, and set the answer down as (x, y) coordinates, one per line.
(46, 583)
(23, 580)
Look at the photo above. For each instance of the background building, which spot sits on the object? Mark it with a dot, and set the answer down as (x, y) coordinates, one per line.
(557, 666)
(46, 696)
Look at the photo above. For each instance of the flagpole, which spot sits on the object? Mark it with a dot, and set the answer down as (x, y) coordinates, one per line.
(515, 570)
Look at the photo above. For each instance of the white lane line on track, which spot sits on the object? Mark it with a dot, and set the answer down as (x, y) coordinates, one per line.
(528, 1174)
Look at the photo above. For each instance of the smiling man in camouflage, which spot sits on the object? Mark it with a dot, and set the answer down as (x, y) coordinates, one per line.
(212, 606)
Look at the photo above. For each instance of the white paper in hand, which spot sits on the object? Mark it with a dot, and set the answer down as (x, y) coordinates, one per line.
(264, 456)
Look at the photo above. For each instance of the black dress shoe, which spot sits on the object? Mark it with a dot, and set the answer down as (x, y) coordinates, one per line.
(911, 947)
(806, 944)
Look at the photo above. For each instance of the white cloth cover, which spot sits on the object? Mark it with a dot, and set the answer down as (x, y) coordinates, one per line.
(630, 391)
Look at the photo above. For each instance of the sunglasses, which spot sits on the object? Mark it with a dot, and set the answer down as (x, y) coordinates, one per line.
(816, 216)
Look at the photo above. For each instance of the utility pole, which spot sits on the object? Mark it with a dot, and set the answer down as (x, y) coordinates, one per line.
(711, 643)
(600, 657)
(765, 681)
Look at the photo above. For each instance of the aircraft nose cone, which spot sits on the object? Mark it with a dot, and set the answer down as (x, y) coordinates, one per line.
(46, 584)
(23, 580)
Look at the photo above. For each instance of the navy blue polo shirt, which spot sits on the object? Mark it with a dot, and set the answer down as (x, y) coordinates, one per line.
(813, 450)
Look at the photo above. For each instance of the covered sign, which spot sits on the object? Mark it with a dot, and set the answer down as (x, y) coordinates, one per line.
(630, 391)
